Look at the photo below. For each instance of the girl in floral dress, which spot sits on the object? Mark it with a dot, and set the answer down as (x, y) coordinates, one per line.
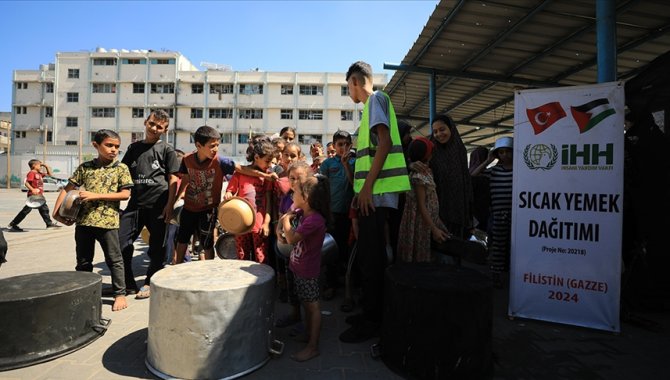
(420, 220)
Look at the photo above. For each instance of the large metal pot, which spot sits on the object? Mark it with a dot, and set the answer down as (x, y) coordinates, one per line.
(225, 246)
(36, 201)
(237, 215)
(69, 209)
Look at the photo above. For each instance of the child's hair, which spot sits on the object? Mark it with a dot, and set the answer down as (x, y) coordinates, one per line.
(317, 191)
(420, 149)
(299, 165)
(291, 145)
(261, 146)
(287, 129)
(159, 115)
(103, 134)
(361, 70)
(205, 133)
(341, 135)
(32, 162)
(330, 143)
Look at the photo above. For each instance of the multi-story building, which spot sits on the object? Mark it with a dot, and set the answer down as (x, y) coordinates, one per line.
(65, 102)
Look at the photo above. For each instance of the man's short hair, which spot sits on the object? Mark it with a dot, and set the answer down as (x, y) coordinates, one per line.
(159, 115)
(342, 135)
(361, 70)
(205, 133)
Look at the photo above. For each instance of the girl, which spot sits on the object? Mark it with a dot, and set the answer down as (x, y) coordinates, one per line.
(500, 221)
(253, 245)
(420, 219)
(288, 134)
(297, 173)
(312, 203)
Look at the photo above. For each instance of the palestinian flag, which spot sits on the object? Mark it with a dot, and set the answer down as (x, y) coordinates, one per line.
(544, 116)
(590, 114)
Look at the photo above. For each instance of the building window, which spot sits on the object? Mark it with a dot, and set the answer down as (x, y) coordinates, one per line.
(102, 112)
(251, 89)
(311, 90)
(346, 115)
(136, 136)
(196, 113)
(138, 88)
(71, 122)
(21, 85)
(104, 61)
(163, 61)
(134, 61)
(162, 88)
(226, 138)
(49, 88)
(251, 114)
(19, 134)
(169, 111)
(21, 110)
(70, 142)
(72, 97)
(221, 113)
(138, 113)
(287, 89)
(220, 88)
(197, 88)
(242, 138)
(310, 114)
(344, 90)
(49, 137)
(308, 139)
(287, 114)
(73, 73)
(103, 88)
(48, 112)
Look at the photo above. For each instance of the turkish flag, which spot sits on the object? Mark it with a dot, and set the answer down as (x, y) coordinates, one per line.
(544, 116)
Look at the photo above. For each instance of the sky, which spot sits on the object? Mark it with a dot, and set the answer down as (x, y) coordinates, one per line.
(292, 36)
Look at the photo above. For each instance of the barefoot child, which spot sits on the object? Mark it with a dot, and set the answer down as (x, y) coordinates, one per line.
(106, 183)
(312, 206)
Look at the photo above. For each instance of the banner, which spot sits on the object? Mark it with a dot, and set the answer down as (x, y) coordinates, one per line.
(567, 205)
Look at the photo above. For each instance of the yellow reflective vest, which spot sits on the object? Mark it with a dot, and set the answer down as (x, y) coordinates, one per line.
(393, 176)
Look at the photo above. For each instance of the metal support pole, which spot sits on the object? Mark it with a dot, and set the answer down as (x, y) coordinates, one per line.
(432, 97)
(606, 40)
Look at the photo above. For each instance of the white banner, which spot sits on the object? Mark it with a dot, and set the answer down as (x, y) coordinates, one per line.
(568, 205)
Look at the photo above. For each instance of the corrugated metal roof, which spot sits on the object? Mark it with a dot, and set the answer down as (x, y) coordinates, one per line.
(483, 50)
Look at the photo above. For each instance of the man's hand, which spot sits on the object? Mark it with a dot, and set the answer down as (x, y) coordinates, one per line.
(365, 204)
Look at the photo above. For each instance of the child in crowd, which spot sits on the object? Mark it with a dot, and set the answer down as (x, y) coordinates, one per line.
(202, 175)
(258, 191)
(338, 169)
(35, 186)
(106, 183)
(153, 166)
(500, 220)
(297, 173)
(288, 134)
(316, 152)
(330, 150)
(279, 145)
(420, 220)
(312, 203)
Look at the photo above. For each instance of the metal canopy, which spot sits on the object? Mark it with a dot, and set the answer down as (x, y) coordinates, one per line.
(481, 51)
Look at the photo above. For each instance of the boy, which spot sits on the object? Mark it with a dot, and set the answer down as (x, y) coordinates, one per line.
(153, 166)
(201, 184)
(338, 170)
(35, 186)
(380, 175)
(107, 182)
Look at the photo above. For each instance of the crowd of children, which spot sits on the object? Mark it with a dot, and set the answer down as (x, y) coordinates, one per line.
(352, 189)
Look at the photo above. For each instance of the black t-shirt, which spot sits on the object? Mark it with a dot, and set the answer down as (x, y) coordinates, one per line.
(150, 166)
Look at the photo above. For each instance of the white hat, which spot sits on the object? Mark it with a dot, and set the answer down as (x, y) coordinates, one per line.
(503, 142)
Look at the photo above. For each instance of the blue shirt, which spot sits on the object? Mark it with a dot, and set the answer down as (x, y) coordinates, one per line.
(341, 191)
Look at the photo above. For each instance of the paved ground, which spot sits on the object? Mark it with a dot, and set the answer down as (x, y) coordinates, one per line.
(523, 349)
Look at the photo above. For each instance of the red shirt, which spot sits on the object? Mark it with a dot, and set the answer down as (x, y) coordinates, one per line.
(35, 180)
(253, 189)
(205, 181)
